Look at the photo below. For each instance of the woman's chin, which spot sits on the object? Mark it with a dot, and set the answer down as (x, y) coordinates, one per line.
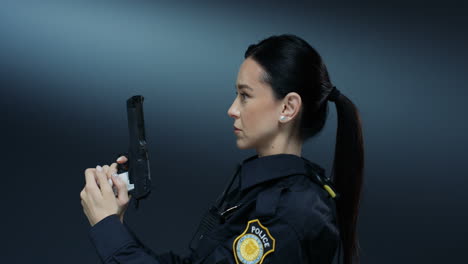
(241, 144)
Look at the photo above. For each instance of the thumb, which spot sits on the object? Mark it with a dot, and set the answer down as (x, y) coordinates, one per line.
(122, 159)
(122, 191)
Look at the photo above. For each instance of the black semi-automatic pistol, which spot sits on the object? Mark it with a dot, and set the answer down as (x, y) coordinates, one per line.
(136, 171)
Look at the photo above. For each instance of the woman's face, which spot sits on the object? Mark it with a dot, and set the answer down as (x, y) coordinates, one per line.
(255, 110)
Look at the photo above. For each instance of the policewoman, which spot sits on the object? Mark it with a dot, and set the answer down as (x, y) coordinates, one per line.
(278, 207)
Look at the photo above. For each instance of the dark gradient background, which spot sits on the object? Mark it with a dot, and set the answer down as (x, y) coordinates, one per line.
(67, 68)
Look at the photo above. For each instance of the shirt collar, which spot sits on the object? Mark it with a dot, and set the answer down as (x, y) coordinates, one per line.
(255, 170)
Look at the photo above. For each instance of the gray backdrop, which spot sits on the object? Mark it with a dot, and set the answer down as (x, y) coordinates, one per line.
(67, 68)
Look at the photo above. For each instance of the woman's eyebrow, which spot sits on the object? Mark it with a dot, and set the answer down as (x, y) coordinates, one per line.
(240, 86)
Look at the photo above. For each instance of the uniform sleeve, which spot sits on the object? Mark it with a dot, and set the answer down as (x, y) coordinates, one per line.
(116, 243)
(287, 245)
(323, 245)
(294, 244)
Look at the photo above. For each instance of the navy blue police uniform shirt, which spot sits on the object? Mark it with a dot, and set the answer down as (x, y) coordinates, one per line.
(275, 213)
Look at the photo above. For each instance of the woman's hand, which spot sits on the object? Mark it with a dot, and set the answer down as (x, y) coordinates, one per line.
(97, 197)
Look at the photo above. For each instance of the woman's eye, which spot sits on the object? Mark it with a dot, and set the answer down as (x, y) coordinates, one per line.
(243, 95)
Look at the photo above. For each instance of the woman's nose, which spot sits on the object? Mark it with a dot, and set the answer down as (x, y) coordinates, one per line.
(232, 111)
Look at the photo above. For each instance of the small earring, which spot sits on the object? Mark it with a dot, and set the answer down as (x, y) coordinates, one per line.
(282, 118)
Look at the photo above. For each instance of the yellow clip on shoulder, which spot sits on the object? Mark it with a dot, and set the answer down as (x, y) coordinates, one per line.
(329, 190)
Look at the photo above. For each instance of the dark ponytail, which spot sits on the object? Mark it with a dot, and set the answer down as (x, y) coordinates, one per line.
(347, 174)
(292, 65)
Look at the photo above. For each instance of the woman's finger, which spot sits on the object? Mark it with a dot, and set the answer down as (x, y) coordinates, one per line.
(105, 168)
(90, 178)
(122, 192)
(112, 169)
(102, 179)
(122, 160)
(83, 194)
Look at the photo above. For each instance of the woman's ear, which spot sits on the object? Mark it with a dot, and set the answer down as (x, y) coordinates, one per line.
(291, 106)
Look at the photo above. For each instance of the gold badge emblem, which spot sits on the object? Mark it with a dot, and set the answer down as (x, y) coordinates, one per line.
(252, 246)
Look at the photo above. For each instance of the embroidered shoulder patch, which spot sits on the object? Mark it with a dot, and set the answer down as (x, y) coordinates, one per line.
(254, 244)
